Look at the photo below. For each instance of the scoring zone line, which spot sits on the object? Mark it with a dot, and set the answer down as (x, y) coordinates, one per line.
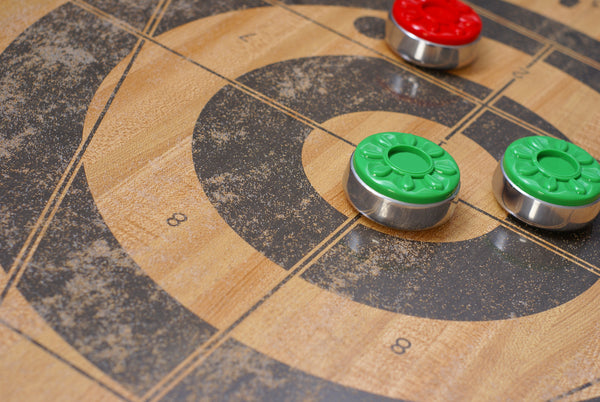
(36, 343)
(53, 204)
(206, 349)
(37, 233)
(534, 35)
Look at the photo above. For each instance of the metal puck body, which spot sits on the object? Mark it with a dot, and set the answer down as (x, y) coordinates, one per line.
(441, 34)
(402, 181)
(548, 183)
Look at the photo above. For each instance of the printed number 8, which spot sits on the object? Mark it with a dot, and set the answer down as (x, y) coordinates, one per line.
(176, 219)
(401, 345)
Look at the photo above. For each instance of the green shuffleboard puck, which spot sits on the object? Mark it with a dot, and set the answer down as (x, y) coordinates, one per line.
(403, 181)
(548, 183)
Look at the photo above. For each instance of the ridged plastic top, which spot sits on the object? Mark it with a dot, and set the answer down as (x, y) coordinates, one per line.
(553, 170)
(444, 22)
(406, 167)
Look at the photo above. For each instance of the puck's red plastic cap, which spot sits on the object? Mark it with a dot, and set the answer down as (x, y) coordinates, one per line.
(444, 22)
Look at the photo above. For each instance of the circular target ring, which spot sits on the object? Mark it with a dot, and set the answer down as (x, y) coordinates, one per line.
(200, 177)
(263, 192)
(169, 171)
(265, 197)
(145, 166)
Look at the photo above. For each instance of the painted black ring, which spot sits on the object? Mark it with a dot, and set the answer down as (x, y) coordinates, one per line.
(279, 213)
(52, 130)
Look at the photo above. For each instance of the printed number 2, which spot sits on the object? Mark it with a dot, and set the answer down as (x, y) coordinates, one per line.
(401, 346)
(176, 219)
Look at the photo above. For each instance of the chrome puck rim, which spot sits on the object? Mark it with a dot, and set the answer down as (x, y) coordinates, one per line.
(394, 213)
(536, 212)
(425, 53)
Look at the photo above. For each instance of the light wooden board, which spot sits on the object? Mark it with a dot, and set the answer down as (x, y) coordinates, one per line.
(173, 224)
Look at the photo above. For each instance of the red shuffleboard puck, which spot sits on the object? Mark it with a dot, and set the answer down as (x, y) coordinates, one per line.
(439, 34)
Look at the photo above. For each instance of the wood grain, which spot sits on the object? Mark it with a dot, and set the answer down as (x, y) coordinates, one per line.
(138, 156)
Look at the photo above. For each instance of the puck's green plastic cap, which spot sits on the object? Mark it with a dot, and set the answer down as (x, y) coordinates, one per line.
(406, 167)
(553, 170)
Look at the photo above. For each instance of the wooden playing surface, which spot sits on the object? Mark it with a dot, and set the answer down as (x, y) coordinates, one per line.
(173, 224)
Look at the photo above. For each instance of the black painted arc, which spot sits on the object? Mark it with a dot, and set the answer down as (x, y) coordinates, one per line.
(264, 195)
(323, 87)
(87, 288)
(48, 77)
(500, 33)
(371, 27)
(495, 276)
(263, 192)
(254, 376)
(180, 12)
(582, 72)
(135, 13)
(546, 27)
(79, 280)
(516, 109)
